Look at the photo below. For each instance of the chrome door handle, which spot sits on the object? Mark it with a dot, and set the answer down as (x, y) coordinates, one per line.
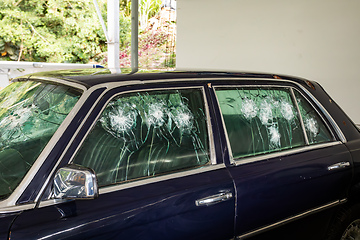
(338, 165)
(214, 199)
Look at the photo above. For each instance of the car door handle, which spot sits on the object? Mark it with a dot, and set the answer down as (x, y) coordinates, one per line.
(338, 165)
(221, 197)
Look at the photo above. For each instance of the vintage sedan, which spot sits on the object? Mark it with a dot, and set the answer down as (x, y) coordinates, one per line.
(175, 155)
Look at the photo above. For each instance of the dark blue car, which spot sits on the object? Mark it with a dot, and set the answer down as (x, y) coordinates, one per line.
(177, 155)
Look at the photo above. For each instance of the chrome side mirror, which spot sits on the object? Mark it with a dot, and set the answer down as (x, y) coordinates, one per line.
(75, 182)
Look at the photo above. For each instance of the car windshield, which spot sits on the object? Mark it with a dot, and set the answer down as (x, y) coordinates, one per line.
(30, 113)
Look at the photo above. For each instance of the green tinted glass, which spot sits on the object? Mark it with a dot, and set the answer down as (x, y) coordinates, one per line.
(315, 128)
(260, 120)
(147, 134)
(30, 113)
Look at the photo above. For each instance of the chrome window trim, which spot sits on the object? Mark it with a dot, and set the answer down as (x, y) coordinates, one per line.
(57, 80)
(331, 130)
(286, 152)
(292, 218)
(300, 116)
(155, 179)
(207, 112)
(15, 209)
(86, 95)
(13, 198)
(335, 128)
(234, 161)
(142, 182)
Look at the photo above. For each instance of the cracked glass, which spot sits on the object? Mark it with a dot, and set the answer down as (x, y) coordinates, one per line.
(316, 130)
(30, 113)
(260, 120)
(146, 134)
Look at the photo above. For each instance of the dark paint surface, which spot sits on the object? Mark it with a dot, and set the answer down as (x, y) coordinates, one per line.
(279, 188)
(5, 223)
(162, 210)
(266, 191)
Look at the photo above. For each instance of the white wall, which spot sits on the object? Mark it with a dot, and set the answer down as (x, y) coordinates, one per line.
(318, 40)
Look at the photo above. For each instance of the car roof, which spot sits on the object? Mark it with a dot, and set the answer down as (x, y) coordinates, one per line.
(92, 77)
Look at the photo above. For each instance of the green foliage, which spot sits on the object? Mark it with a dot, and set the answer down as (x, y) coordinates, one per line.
(125, 30)
(50, 31)
(147, 10)
(69, 31)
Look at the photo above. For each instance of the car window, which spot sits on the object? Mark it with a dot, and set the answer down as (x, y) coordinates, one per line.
(260, 120)
(146, 134)
(316, 129)
(30, 113)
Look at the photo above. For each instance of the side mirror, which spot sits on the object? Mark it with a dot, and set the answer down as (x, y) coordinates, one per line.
(75, 182)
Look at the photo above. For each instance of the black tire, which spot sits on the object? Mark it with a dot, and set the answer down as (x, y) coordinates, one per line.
(346, 224)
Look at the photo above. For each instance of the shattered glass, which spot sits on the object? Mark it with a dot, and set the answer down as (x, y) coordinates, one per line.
(260, 120)
(30, 113)
(147, 134)
(315, 128)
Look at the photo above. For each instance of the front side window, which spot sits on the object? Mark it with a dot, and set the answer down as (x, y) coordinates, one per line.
(30, 113)
(260, 120)
(146, 134)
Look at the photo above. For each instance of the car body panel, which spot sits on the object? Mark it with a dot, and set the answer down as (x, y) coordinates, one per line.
(161, 210)
(261, 192)
(6, 219)
(282, 187)
(285, 185)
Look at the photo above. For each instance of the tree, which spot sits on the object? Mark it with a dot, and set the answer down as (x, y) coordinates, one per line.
(50, 31)
(69, 31)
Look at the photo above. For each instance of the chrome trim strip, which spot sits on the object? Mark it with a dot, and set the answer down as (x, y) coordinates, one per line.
(137, 183)
(51, 202)
(112, 85)
(12, 199)
(209, 127)
(337, 129)
(284, 153)
(320, 115)
(290, 219)
(161, 178)
(14, 209)
(58, 80)
(300, 116)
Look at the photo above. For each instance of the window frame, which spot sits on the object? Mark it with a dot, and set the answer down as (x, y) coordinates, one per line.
(213, 164)
(12, 200)
(337, 136)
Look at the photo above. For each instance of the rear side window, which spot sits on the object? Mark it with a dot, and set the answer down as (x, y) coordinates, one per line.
(146, 134)
(315, 127)
(261, 120)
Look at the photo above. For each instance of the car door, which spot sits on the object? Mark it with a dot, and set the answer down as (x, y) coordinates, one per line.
(287, 160)
(153, 152)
